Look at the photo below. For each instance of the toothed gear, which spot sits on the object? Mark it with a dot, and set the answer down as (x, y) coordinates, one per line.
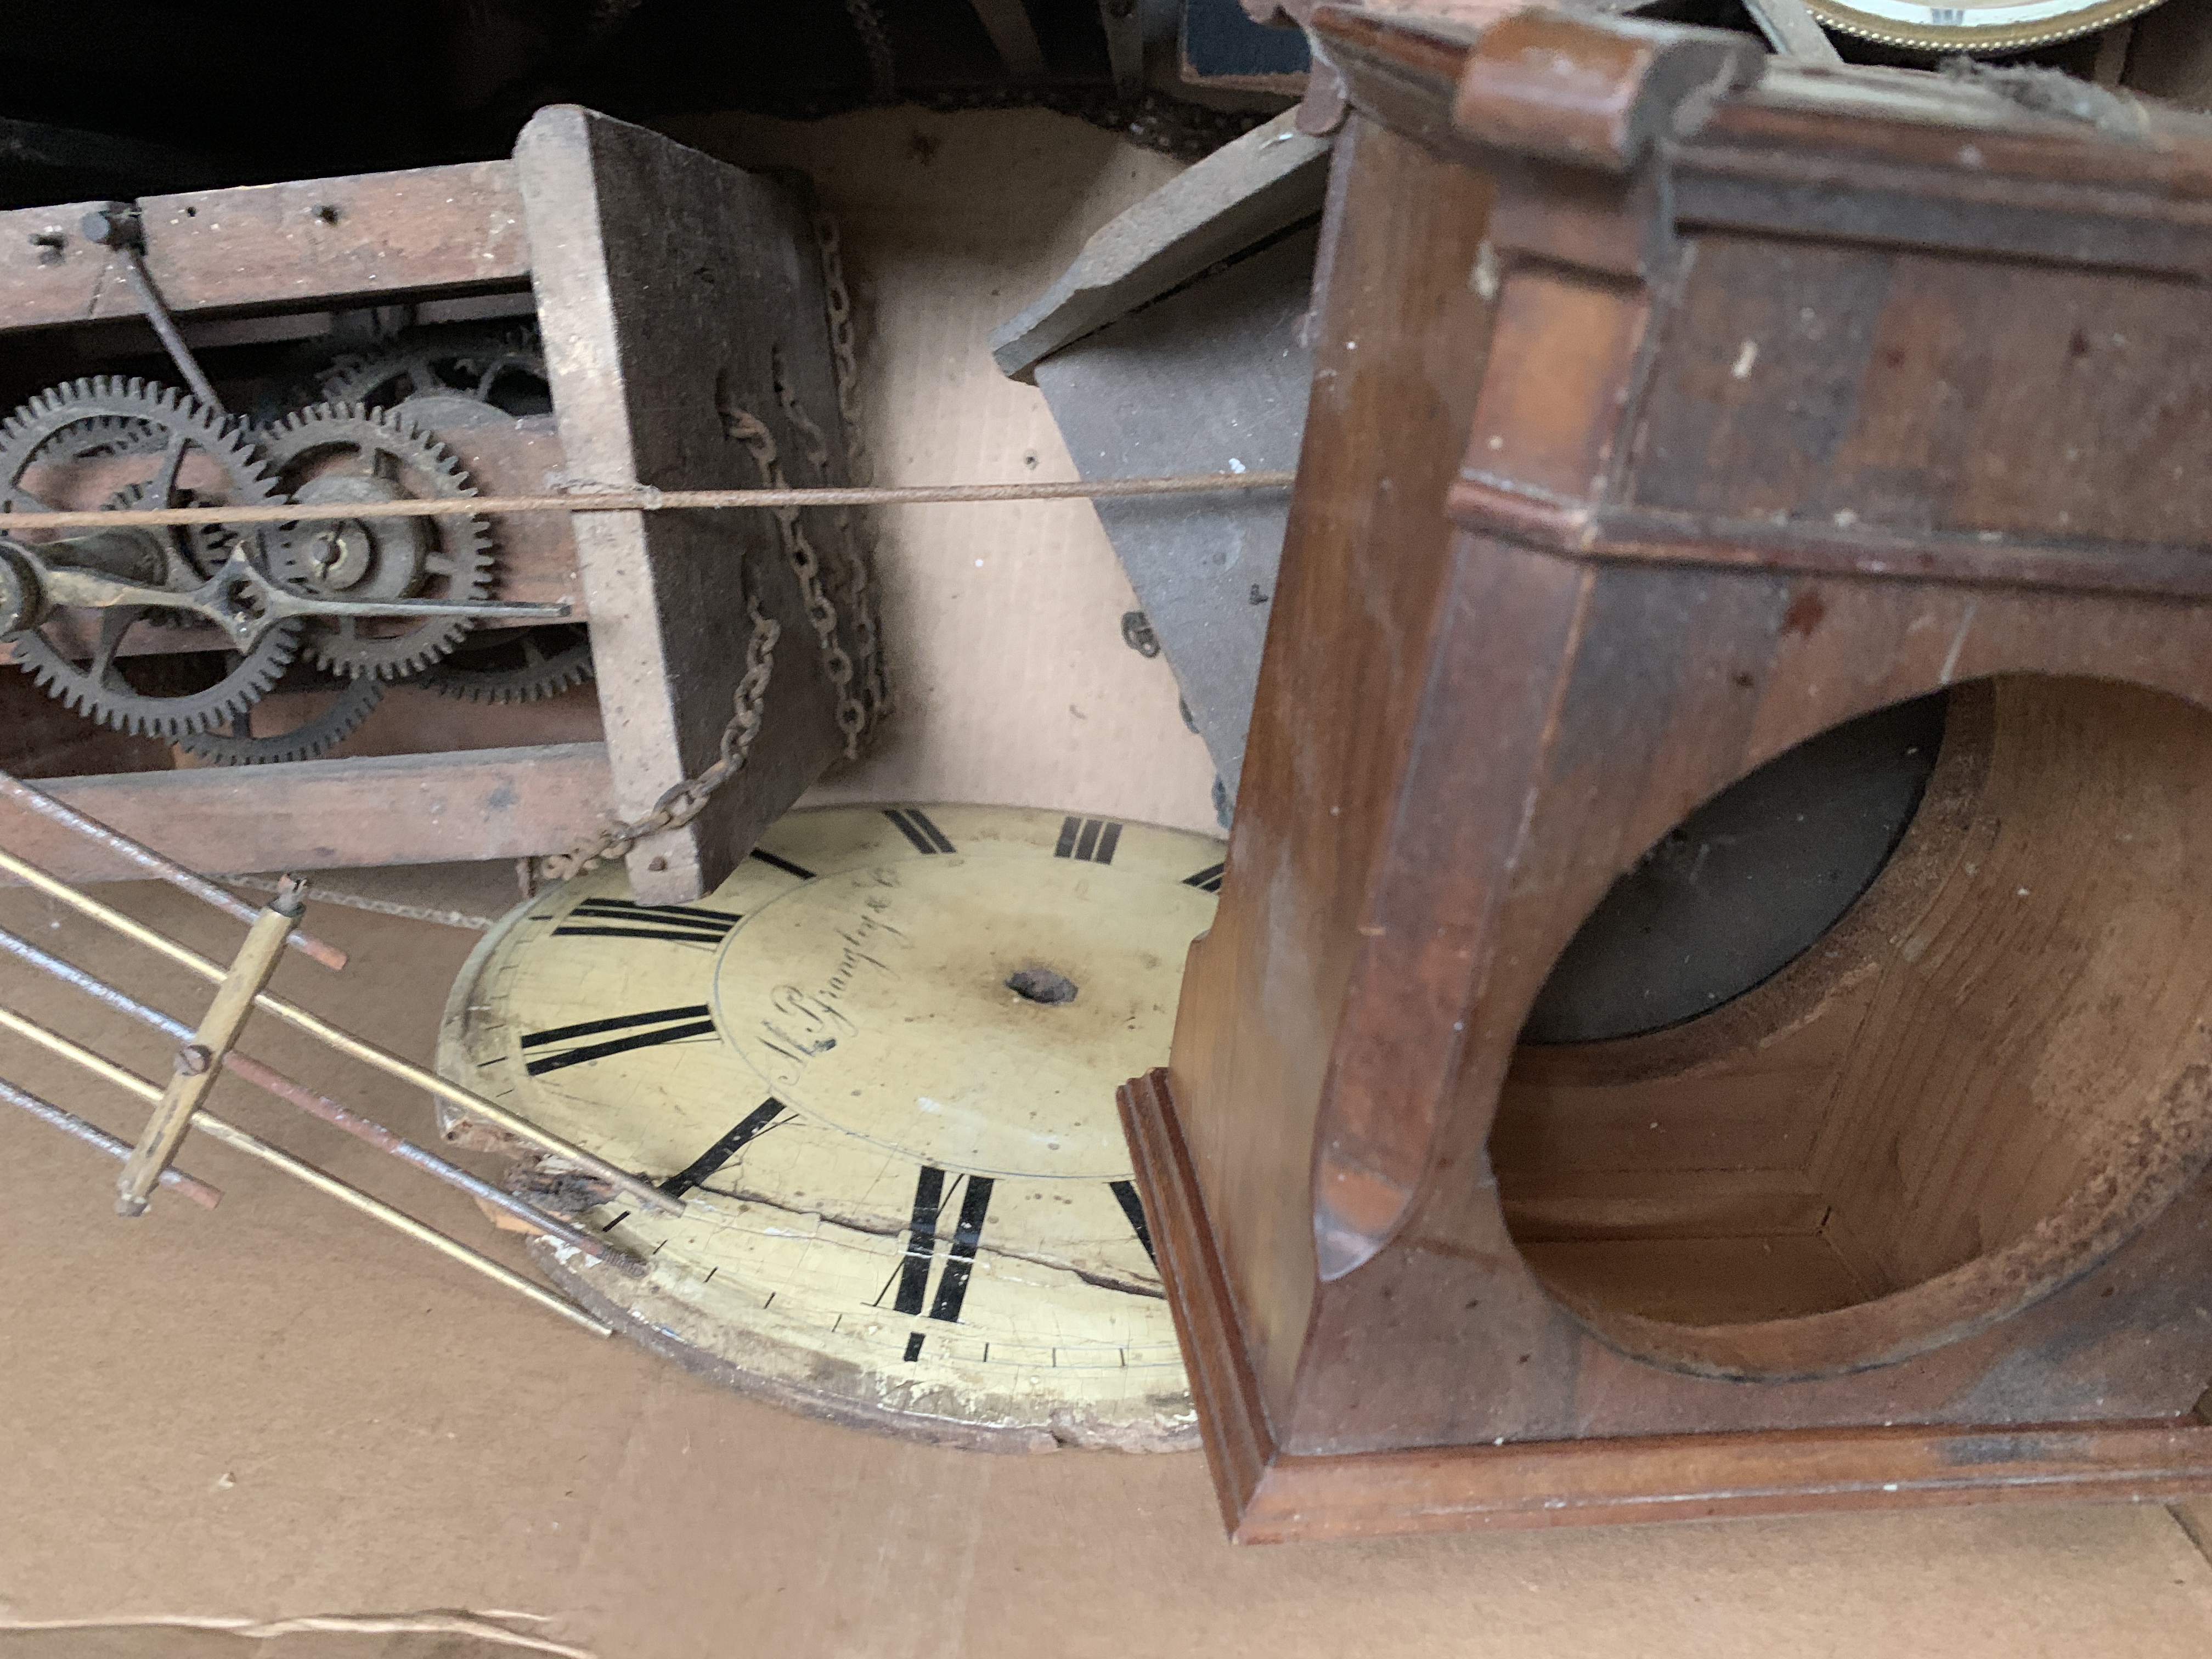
(152, 694)
(123, 436)
(351, 702)
(513, 665)
(337, 455)
(206, 545)
(444, 376)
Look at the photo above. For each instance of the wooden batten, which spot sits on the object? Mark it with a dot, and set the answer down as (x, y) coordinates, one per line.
(331, 814)
(309, 243)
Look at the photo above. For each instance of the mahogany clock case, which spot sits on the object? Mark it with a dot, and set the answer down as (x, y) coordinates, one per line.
(1923, 1217)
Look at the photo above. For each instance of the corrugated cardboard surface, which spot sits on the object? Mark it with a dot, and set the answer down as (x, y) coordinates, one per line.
(279, 1410)
(1002, 621)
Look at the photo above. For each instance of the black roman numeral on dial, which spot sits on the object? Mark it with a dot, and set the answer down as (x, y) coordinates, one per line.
(1125, 1194)
(609, 918)
(921, 1240)
(1207, 880)
(565, 1044)
(783, 864)
(704, 1168)
(914, 823)
(1092, 840)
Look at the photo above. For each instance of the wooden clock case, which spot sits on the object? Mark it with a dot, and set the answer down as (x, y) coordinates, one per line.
(1673, 405)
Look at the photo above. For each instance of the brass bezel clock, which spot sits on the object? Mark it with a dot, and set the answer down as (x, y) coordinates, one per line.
(1973, 26)
(878, 1064)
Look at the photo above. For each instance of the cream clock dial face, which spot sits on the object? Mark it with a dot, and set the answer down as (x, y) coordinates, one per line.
(878, 1064)
(1973, 25)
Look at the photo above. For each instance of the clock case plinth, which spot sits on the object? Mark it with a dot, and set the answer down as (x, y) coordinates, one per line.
(1671, 406)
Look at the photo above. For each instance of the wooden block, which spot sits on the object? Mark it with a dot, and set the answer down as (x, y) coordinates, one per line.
(676, 295)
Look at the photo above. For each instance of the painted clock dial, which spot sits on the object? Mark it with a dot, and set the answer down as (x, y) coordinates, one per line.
(878, 1064)
(1973, 26)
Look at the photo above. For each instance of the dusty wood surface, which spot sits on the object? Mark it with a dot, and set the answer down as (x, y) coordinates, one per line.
(1242, 193)
(1268, 1495)
(1946, 1171)
(327, 814)
(265, 245)
(675, 293)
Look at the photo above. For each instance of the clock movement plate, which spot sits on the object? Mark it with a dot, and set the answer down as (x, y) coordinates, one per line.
(878, 1064)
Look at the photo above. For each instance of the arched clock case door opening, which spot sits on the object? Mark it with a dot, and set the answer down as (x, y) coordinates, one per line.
(879, 1065)
(1991, 1070)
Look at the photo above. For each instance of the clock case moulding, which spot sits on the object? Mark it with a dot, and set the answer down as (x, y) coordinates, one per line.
(1674, 405)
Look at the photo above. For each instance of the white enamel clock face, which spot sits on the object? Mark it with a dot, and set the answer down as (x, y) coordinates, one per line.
(878, 1064)
(1973, 26)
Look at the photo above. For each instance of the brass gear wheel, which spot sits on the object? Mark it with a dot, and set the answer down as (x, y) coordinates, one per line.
(334, 455)
(190, 456)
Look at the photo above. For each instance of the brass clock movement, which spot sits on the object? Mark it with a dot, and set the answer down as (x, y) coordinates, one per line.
(879, 1065)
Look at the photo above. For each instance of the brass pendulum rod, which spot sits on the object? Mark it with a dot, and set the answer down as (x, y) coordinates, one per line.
(37, 800)
(329, 1111)
(638, 1191)
(253, 1147)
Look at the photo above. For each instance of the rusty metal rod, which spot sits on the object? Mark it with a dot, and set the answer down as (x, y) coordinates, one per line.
(637, 1190)
(92, 1135)
(37, 800)
(165, 326)
(648, 499)
(299, 1169)
(253, 1147)
(263, 1076)
(322, 1106)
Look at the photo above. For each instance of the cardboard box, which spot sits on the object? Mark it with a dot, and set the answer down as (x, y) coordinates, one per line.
(278, 1411)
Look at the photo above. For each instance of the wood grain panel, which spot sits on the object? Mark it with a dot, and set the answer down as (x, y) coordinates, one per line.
(330, 814)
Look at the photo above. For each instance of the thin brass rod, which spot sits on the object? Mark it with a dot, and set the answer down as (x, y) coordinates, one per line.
(253, 1147)
(231, 1135)
(115, 1147)
(263, 1076)
(98, 1065)
(315, 1105)
(661, 500)
(37, 800)
(641, 1192)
